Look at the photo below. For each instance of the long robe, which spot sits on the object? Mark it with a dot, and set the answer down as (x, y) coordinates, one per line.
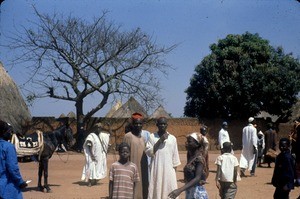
(249, 143)
(223, 137)
(10, 176)
(95, 170)
(164, 161)
(270, 140)
(139, 158)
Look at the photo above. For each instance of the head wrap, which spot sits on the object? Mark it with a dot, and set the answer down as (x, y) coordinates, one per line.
(224, 124)
(251, 119)
(260, 133)
(196, 136)
(137, 116)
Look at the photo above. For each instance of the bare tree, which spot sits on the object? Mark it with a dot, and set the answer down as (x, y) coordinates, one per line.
(71, 58)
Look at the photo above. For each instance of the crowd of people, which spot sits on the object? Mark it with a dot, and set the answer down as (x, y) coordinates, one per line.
(147, 162)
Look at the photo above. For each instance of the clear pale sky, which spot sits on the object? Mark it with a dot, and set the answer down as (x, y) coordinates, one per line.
(193, 24)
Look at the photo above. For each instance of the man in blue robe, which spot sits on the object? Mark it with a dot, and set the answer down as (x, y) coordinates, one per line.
(11, 181)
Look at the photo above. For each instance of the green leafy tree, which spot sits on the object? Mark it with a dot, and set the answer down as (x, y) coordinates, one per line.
(242, 76)
(71, 59)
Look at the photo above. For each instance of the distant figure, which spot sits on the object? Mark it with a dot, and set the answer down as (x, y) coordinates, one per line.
(63, 126)
(283, 176)
(80, 134)
(137, 139)
(123, 175)
(195, 169)
(11, 181)
(249, 147)
(203, 132)
(260, 147)
(270, 142)
(223, 135)
(227, 172)
(297, 150)
(95, 150)
(162, 147)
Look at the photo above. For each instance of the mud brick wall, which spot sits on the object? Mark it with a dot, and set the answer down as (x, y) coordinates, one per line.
(179, 127)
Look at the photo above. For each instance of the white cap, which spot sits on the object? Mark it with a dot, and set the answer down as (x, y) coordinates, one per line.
(251, 119)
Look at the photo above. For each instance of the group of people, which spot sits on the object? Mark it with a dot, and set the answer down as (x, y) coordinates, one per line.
(256, 150)
(147, 162)
(257, 146)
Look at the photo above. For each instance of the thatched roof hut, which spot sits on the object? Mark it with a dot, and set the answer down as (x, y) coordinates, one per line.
(13, 108)
(160, 112)
(114, 108)
(127, 109)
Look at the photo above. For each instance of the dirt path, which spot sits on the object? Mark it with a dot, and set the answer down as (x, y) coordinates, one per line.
(64, 179)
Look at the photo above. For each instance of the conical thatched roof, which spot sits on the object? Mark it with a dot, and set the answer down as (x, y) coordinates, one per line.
(130, 107)
(160, 112)
(13, 108)
(114, 108)
(71, 114)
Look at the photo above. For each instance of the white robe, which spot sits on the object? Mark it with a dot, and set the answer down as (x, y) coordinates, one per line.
(163, 175)
(249, 141)
(223, 137)
(95, 170)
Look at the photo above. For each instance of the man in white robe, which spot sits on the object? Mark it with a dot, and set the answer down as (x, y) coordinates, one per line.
(162, 147)
(95, 150)
(223, 134)
(249, 147)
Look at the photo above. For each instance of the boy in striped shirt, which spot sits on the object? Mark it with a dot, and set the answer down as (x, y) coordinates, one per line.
(123, 175)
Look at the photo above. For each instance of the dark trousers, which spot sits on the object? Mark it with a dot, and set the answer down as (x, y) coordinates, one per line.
(281, 194)
(254, 164)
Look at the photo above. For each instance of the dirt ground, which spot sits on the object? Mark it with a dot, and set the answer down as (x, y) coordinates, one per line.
(65, 172)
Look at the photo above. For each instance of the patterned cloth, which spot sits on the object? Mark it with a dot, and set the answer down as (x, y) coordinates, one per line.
(196, 192)
(123, 177)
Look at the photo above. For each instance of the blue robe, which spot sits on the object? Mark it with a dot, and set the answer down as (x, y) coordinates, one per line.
(10, 177)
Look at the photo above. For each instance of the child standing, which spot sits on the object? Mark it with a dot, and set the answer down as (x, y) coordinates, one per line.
(123, 175)
(260, 147)
(283, 175)
(227, 171)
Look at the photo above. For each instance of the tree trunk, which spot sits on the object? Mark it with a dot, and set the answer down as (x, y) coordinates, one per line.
(80, 135)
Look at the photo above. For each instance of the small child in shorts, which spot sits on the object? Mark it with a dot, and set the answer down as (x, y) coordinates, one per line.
(227, 172)
(123, 175)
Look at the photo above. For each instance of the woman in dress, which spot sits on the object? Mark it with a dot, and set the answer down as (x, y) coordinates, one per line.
(195, 171)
